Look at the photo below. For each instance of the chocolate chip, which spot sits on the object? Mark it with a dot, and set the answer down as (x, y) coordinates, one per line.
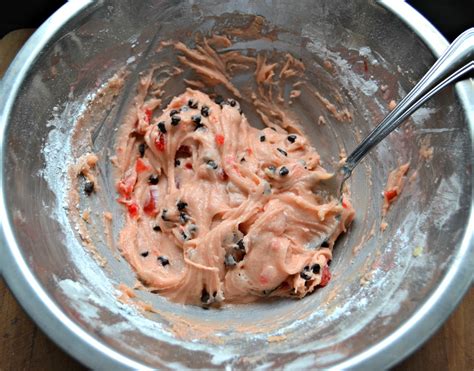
(325, 243)
(144, 254)
(235, 253)
(175, 120)
(212, 164)
(291, 138)
(305, 276)
(262, 138)
(157, 228)
(316, 268)
(141, 149)
(282, 151)
(241, 245)
(192, 104)
(205, 111)
(199, 126)
(196, 119)
(163, 260)
(89, 187)
(174, 112)
(162, 127)
(153, 179)
(177, 163)
(181, 205)
(242, 159)
(205, 297)
(183, 218)
(219, 99)
(284, 171)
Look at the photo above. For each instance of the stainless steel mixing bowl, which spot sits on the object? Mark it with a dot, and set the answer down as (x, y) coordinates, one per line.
(384, 299)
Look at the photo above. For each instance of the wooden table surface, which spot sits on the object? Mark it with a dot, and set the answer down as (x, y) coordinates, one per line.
(23, 346)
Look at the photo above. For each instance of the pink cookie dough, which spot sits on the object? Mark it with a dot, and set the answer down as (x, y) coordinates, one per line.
(218, 210)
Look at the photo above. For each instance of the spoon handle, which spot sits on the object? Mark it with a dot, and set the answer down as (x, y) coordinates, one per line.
(457, 60)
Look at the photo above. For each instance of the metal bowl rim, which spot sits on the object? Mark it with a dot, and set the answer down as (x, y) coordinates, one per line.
(95, 354)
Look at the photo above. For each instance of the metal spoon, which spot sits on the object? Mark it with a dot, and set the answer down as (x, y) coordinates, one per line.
(456, 61)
